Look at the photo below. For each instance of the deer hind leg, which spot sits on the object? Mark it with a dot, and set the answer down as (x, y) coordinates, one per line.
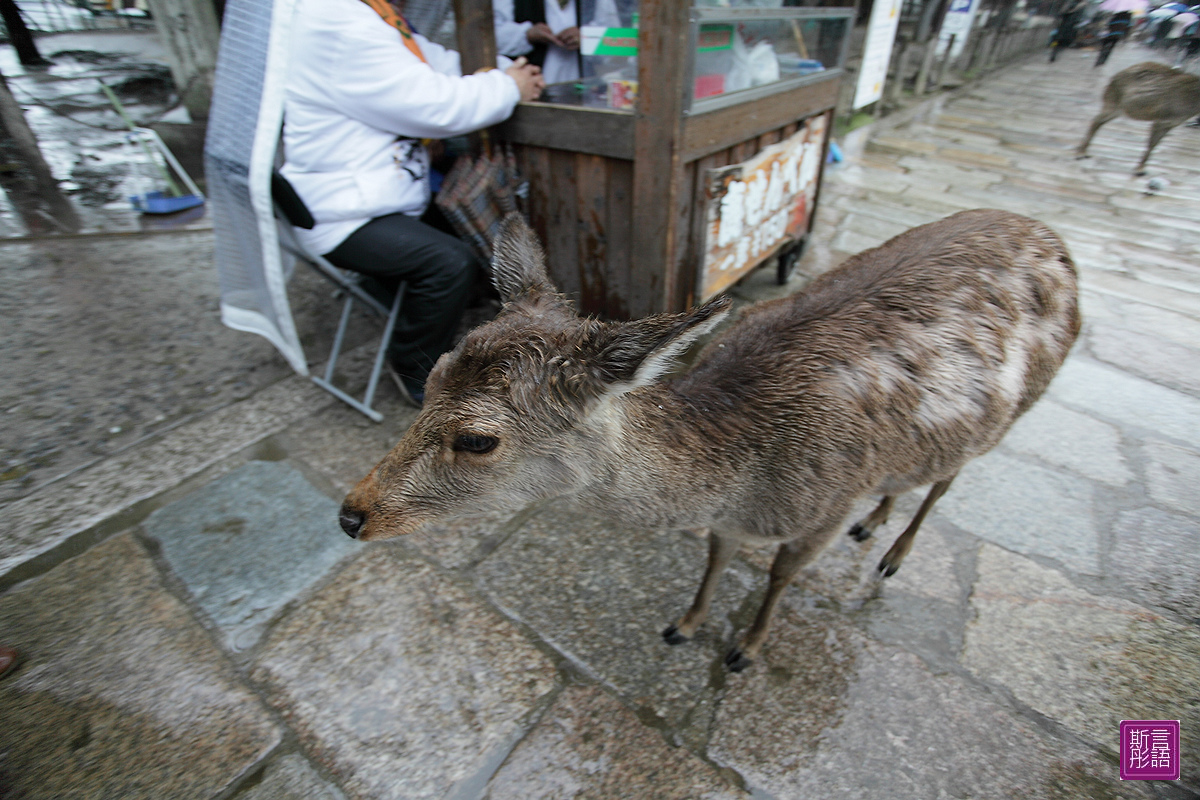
(721, 550)
(1108, 113)
(1157, 131)
(899, 549)
(792, 556)
(865, 527)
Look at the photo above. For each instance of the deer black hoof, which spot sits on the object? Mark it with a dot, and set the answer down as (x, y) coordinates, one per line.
(1139, 173)
(858, 533)
(672, 636)
(887, 567)
(735, 661)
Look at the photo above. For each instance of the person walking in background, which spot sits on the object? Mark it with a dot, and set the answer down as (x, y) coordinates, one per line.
(1068, 27)
(1118, 24)
(364, 96)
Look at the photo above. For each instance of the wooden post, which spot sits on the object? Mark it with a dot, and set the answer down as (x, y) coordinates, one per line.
(927, 56)
(476, 34)
(656, 283)
(941, 72)
(896, 86)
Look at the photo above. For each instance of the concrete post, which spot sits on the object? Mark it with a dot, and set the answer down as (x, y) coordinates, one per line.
(190, 33)
(927, 56)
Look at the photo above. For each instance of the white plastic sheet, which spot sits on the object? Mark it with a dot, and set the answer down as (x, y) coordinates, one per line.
(239, 153)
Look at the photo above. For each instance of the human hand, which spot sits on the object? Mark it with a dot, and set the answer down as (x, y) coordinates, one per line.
(528, 77)
(568, 39)
(540, 33)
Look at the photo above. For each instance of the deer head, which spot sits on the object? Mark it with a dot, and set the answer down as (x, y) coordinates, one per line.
(524, 408)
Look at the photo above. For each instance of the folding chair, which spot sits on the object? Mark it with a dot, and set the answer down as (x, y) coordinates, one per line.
(291, 211)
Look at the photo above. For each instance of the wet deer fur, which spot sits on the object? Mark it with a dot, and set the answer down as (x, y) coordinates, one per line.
(1150, 92)
(887, 373)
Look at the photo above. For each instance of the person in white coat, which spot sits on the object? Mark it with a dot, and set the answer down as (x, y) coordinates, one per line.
(547, 32)
(364, 93)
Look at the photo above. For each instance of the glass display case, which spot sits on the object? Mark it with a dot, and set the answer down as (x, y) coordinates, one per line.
(717, 173)
(735, 54)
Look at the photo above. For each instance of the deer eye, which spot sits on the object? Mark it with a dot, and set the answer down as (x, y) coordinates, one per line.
(475, 443)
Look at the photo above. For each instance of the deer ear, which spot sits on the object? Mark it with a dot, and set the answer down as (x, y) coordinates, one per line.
(518, 263)
(637, 353)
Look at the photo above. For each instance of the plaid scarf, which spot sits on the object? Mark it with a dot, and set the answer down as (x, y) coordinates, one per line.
(392, 16)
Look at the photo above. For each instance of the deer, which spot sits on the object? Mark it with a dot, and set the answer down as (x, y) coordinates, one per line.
(885, 374)
(1148, 91)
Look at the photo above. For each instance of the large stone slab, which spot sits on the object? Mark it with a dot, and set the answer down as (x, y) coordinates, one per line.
(602, 595)
(342, 444)
(1158, 555)
(49, 517)
(399, 682)
(1163, 362)
(1026, 507)
(1084, 660)
(589, 745)
(121, 693)
(1070, 439)
(292, 778)
(831, 713)
(1173, 476)
(250, 542)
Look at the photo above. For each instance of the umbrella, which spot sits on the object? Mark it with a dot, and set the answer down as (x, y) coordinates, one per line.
(1163, 13)
(1187, 18)
(1123, 5)
(1173, 7)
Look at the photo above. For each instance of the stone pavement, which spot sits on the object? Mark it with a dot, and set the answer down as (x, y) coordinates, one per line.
(194, 624)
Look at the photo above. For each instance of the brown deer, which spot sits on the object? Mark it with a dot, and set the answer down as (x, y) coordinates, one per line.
(887, 373)
(1152, 92)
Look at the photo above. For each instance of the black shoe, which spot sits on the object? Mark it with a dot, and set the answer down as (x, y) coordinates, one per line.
(412, 392)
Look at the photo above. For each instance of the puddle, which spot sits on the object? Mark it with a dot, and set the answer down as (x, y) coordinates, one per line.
(85, 142)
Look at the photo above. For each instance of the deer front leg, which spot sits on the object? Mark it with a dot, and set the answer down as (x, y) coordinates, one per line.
(865, 527)
(791, 557)
(904, 542)
(721, 550)
(1157, 131)
(1107, 114)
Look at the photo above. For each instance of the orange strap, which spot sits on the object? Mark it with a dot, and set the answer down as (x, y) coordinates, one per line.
(392, 17)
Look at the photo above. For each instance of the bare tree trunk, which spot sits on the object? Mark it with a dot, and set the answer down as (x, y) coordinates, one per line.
(37, 197)
(20, 36)
(191, 33)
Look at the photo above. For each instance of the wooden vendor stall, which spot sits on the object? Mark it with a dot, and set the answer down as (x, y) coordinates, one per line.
(688, 153)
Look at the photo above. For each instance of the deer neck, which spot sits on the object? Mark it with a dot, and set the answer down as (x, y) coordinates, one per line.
(652, 461)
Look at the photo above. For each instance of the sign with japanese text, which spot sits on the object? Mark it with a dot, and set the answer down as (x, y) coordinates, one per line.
(877, 53)
(753, 207)
(959, 17)
(596, 40)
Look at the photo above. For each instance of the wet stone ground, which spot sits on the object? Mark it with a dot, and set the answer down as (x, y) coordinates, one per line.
(194, 624)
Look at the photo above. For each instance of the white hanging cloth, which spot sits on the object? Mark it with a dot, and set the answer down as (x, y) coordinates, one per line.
(239, 153)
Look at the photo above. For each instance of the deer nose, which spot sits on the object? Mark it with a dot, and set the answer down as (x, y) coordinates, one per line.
(351, 522)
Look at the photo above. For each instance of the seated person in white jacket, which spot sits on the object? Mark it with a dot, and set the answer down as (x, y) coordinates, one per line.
(362, 92)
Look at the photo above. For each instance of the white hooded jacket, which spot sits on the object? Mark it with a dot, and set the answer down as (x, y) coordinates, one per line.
(357, 103)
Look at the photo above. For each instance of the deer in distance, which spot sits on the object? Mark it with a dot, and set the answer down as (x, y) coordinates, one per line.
(887, 373)
(1151, 92)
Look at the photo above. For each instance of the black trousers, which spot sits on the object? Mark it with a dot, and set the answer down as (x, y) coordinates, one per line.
(440, 270)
